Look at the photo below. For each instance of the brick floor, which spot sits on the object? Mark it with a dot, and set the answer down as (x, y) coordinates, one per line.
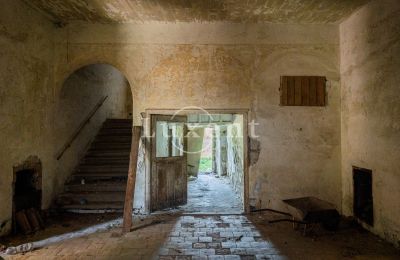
(216, 237)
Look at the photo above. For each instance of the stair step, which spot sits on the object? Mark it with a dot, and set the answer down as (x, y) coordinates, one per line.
(124, 149)
(102, 135)
(105, 171)
(109, 149)
(100, 168)
(99, 175)
(95, 206)
(114, 139)
(116, 127)
(105, 161)
(90, 197)
(101, 146)
(110, 125)
(115, 131)
(108, 154)
(97, 186)
(117, 124)
(119, 120)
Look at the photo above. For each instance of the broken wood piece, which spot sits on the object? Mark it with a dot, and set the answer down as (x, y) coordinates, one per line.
(33, 220)
(130, 184)
(23, 222)
(60, 238)
(39, 218)
(154, 222)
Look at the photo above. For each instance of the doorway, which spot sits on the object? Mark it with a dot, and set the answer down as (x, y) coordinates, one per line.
(212, 148)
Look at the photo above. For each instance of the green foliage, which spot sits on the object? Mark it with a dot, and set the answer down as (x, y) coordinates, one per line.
(205, 164)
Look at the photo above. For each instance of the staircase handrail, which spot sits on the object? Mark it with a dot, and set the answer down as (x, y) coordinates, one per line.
(81, 126)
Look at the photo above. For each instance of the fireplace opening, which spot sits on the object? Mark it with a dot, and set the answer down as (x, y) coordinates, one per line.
(26, 194)
(363, 201)
(27, 198)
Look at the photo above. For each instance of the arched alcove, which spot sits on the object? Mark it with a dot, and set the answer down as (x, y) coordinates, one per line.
(86, 86)
(100, 90)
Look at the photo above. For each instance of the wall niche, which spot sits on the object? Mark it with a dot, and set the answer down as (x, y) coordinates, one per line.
(27, 196)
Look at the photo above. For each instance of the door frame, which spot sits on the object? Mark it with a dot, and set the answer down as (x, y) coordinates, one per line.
(147, 133)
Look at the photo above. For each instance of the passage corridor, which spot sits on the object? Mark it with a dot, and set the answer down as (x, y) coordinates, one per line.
(208, 194)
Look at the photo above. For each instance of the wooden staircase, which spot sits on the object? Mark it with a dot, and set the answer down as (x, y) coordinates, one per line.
(99, 182)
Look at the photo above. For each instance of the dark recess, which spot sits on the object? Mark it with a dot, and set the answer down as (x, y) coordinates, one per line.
(363, 202)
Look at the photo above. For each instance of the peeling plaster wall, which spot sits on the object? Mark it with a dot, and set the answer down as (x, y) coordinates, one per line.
(26, 51)
(370, 62)
(223, 65)
(36, 117)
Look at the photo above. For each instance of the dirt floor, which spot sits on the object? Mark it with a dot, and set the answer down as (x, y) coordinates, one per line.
(58, 224)
(221, 237)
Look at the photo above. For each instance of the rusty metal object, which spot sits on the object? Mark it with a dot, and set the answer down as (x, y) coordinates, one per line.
(311, 210)
(272, 210)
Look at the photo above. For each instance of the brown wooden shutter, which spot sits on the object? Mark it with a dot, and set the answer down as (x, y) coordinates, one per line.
(303, 91)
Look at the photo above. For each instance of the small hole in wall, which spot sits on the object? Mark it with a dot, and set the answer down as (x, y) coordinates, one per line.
(363, 200)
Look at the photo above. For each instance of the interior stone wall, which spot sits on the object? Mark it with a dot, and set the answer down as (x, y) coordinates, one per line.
(26, 51)
(223, 65)
(370, 62)
(35, 120)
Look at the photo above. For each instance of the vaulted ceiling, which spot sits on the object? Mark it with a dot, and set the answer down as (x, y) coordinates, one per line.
(244, 11)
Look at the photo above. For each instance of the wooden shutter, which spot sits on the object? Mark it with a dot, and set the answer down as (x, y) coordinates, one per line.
(303, 91)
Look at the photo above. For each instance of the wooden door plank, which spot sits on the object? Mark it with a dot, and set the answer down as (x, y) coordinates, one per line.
(130, 185)
(297, 91)
(291, 91)
(284, 91)
(164, 173)
(321, 83)
(313, 91)
(305, 91)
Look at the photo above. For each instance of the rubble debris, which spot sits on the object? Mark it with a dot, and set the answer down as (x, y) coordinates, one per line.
(19, 249)
(23, 223)
(56, 239)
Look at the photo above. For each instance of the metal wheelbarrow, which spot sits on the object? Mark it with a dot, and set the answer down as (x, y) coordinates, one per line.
(310, 210)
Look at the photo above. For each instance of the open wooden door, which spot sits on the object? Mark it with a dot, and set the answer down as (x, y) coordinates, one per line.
(168, 186)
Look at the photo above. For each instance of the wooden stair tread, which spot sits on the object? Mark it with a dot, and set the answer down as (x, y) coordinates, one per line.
(109, 205)
(104, 168)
